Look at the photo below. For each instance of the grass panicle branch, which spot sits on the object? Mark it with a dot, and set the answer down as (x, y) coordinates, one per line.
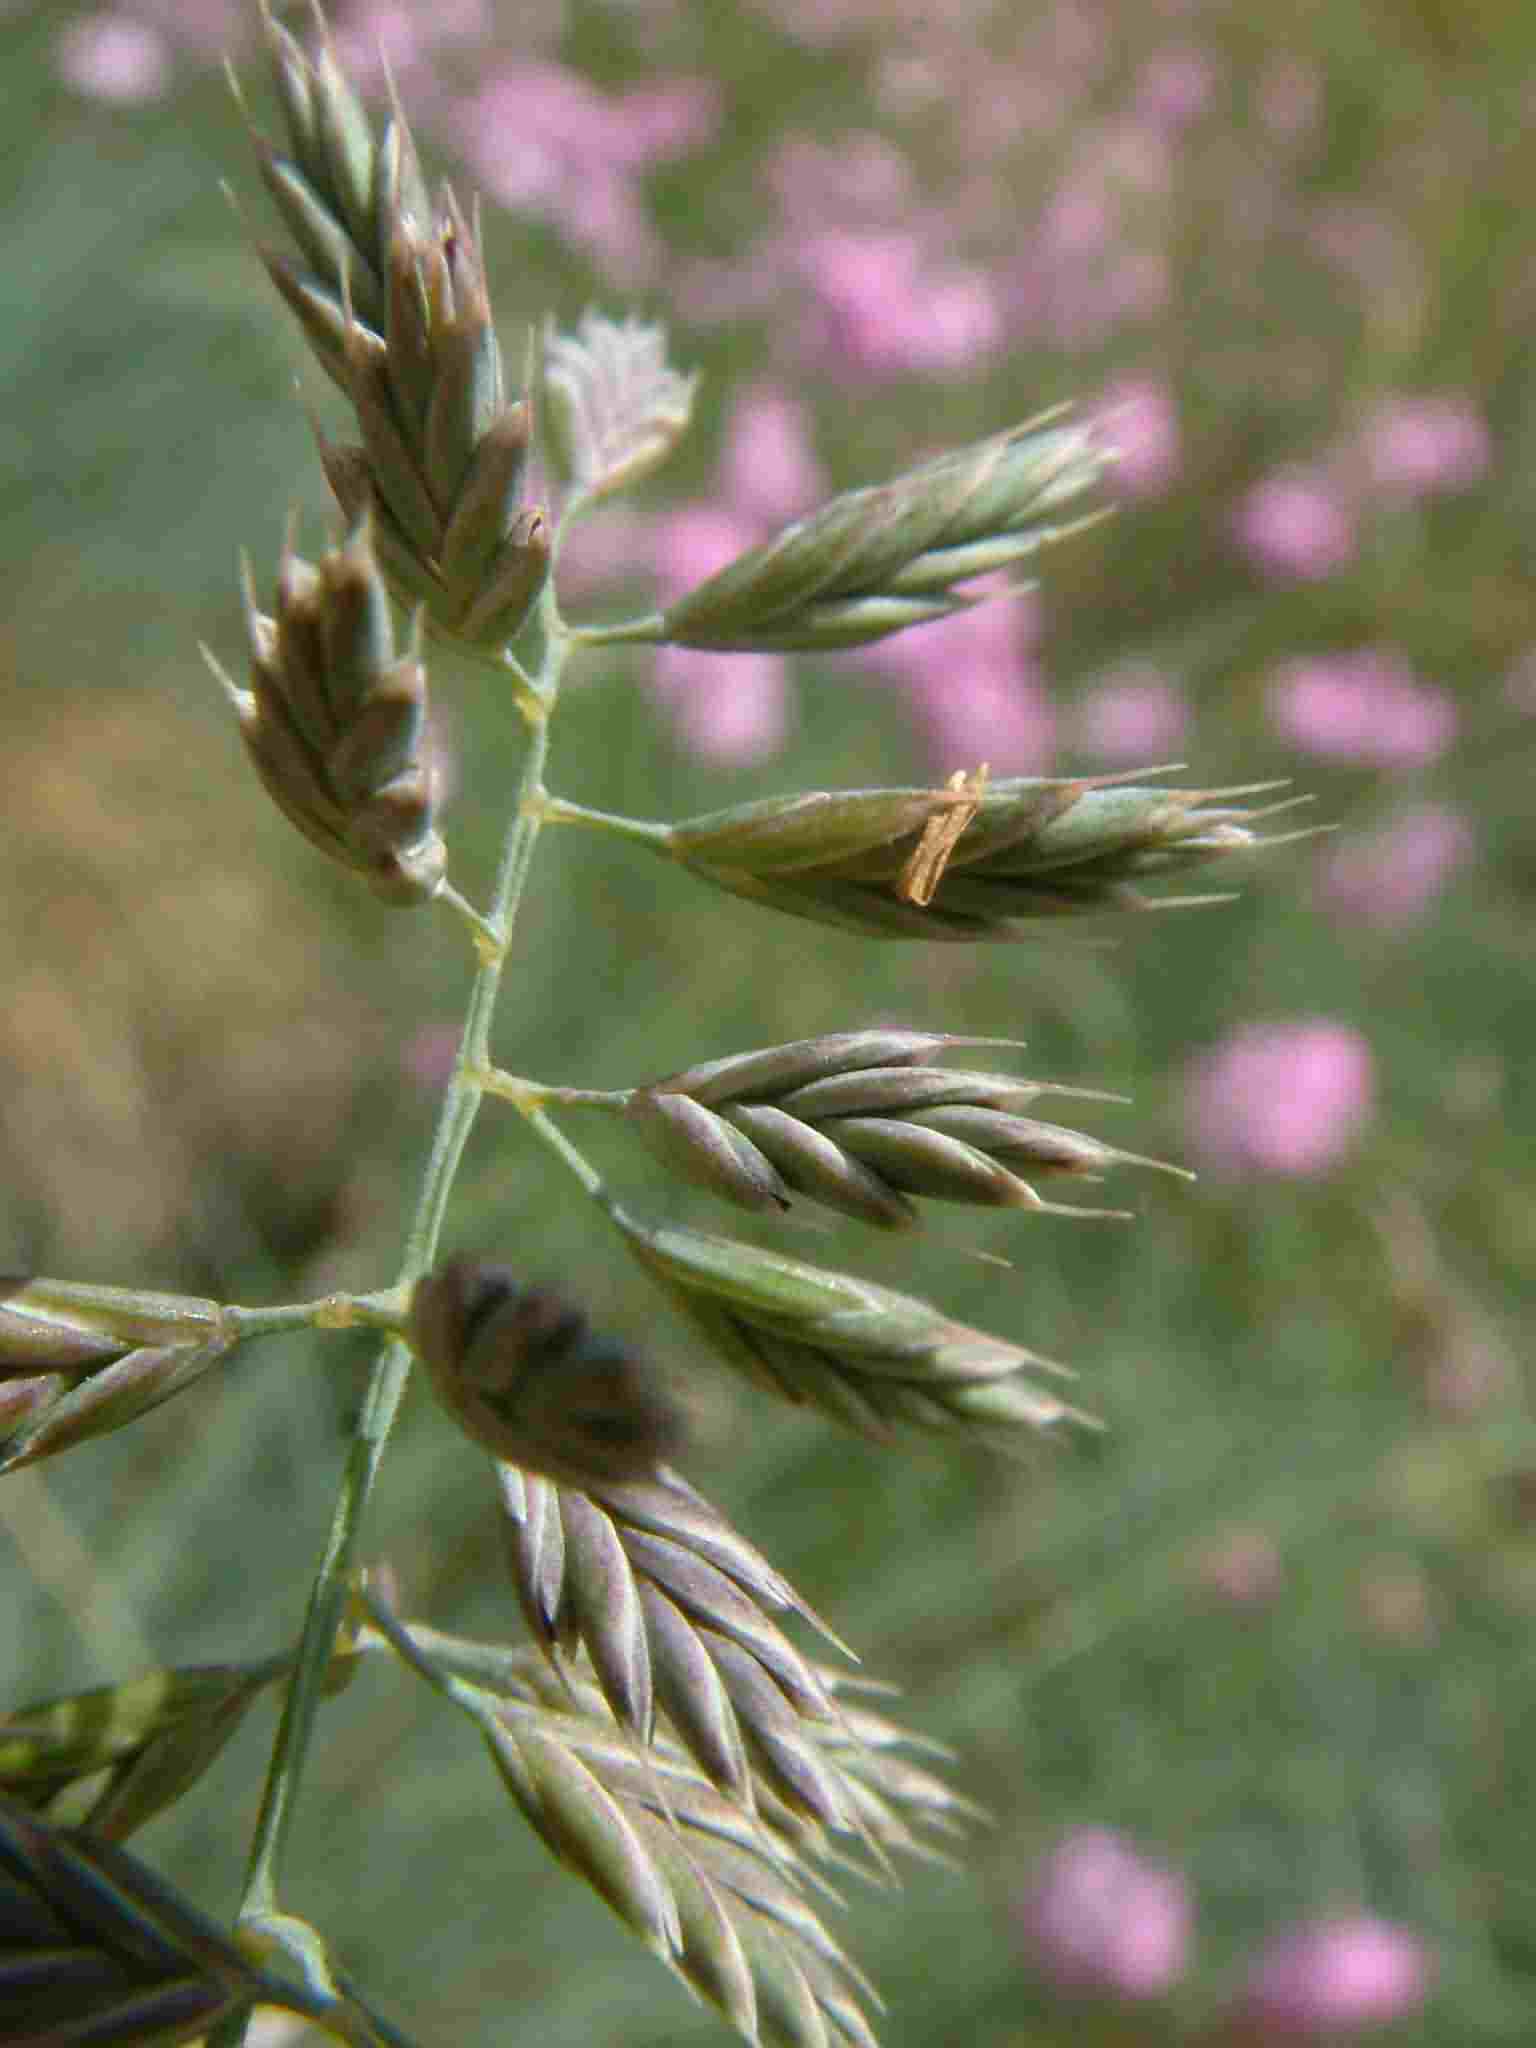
(895, 555)
(1033, 848)
(335, 720)
(874, 1360)
(78, 1362)
(862, 1123)
(673, 1609)
(390, 292)
(659, 1730)
(720, 1893)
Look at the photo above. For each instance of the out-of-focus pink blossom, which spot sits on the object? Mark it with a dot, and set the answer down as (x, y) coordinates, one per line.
(769, 469)
(429, 1054)
(1391, 877)
(725, 707)
(1095, 257)
(382, 39)
(1176, 85)
(1363, 705)
(615, 544)
(871, 178)
(1242, 1567)
(115, 58)
(1079, 217)
(1137, 715)
(206, 27)
(1337, 1976)
(552, 120)
(879, 307)
(1000, 716)
(1140, 421)
(1294, 527)
(693, 541)
(1079, 305)
(1438, 441)
(1100, 1918)
(1284, 1098)
(1136, 157)
(545, 140)
(974, 686)
(730, 708)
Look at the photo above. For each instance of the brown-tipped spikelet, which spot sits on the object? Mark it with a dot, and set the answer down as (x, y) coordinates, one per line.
(525, 1376)
(869, 1357)
(443, 453)
(335, 720)
(389, 291)
(1031, 849)
(79, 1361)
(860, 1121)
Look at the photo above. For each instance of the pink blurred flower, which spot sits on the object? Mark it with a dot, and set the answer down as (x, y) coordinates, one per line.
(381, 39)
(615, 544)
(1438, 441)
(1135, 716)
(1362, 705)
(872, 179)
(1294, 527)
(974, 686)
(731, 708)
(880, 307)
(769, 469)
(206, 27)
(1336, 1976)
(1141, 422)
(1081, 215)
(725, 707)
(1176, 85)
(692, 541)
(1284, 1098)
(545, 140)
(429, 1055)
(1242, 1567)
(114, 58)
(1391, 877)
(1100, 1918)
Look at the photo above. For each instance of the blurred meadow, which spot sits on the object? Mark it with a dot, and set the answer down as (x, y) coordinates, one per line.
(1247, 1685)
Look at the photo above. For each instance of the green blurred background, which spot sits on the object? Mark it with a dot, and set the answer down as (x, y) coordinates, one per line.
(1275, 1629)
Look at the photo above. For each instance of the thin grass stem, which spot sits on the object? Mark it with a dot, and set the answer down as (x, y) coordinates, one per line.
(558, 811)
(652, 627)
(522, 1093)
(461, 1103)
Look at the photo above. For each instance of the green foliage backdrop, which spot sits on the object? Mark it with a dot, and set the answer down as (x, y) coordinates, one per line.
(1276, 1626)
